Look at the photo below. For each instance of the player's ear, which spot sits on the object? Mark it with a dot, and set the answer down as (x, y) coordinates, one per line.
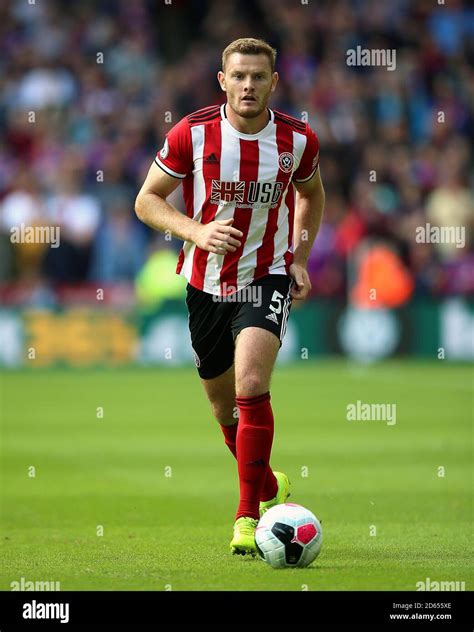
(221, 79)
(275, 78)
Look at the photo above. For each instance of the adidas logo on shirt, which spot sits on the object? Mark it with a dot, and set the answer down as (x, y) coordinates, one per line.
(211, 158)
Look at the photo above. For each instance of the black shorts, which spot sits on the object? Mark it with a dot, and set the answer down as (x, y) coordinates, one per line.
(215, 321)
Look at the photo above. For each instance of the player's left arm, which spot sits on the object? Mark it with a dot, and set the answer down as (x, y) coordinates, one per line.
(309, 207)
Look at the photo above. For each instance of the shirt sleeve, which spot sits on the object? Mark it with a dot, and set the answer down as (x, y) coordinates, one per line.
(176, 155)
(309, 160)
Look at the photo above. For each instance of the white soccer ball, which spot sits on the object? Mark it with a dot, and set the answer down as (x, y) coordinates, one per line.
(288, 535)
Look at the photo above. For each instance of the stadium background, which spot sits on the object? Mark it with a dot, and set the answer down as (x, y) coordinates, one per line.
(126, 442)
(104, 81)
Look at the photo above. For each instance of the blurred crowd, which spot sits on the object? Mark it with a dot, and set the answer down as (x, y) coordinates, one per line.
(90, 88)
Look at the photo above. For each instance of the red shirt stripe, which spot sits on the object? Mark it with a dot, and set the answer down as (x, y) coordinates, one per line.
(249, 159)
(211, 170)
(266, 252)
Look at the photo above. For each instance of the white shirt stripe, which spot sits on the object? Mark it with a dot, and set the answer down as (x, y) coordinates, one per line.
(199, 195)
(267, 172)
(299, 145)
(230, 172)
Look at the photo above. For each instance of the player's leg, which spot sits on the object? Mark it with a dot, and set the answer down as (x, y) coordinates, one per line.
(259, 328)
(221, 394)
(213, 347)
(255, 354)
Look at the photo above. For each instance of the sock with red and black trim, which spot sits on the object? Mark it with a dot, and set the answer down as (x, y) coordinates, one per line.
(270, 487)
(254, 444)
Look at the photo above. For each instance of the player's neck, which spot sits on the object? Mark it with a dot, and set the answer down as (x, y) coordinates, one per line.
(247, 125)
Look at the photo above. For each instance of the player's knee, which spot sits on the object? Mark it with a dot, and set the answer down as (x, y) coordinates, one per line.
(251, 385)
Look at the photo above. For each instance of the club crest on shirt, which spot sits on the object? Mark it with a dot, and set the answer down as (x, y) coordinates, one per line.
(164, 152)
(286, 161)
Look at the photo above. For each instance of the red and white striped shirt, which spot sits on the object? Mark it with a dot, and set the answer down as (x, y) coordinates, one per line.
(248, 177)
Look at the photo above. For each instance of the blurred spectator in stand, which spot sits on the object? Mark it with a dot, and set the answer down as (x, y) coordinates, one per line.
(78, 216)
(451, 204)
(89, 92)
(23, 206)
(157, 281)
(120, 246)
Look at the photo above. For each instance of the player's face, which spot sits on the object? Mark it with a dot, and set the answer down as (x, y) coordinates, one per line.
(248, 82)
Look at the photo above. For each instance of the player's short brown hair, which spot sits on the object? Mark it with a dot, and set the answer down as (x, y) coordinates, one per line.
(250, 46)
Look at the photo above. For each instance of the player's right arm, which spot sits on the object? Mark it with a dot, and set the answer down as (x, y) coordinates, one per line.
(152, 209)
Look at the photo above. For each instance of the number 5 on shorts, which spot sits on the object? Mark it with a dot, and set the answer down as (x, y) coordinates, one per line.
(276, 298)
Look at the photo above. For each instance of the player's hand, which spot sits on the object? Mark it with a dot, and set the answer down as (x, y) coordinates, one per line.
(302, 285)
(218, 237)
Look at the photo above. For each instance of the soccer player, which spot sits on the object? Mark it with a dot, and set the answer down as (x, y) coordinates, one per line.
(254, 201)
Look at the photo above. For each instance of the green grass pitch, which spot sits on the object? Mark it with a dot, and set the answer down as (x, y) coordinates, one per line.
(155, 474)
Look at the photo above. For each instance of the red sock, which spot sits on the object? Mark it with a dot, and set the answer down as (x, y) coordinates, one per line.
(254, 444)
(230, 434)
(270, 486)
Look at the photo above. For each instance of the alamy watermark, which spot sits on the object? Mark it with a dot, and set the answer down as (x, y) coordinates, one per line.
(39, 610)
(23, 234)
(372, 57)
(429, 234)
(372, 412)
(435, 586)
(230, 294)
(27, 585)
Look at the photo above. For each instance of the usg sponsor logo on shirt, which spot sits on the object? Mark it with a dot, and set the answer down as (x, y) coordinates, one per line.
(246, 194)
